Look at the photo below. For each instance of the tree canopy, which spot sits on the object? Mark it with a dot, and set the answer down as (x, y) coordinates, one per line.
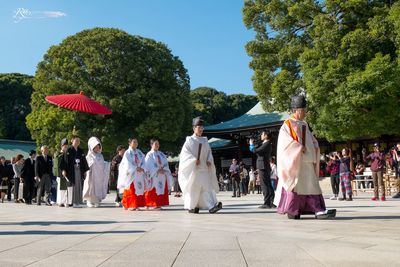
(215, 106)
(138, 78)
(342, 54)
(15, 95)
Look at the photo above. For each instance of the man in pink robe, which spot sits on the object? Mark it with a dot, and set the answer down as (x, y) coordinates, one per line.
(298, 189)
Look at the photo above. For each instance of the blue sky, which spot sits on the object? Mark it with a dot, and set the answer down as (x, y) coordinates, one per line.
(207, 35)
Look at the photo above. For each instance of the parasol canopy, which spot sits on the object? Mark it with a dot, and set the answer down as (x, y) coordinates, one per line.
(78, 102)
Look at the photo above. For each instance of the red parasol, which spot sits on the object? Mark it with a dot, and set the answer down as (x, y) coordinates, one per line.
(78, 102)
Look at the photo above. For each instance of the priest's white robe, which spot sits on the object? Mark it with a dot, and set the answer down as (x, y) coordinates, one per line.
(199, 183)
(297, 171)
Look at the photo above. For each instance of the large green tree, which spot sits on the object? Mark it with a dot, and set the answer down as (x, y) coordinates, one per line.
(138, 78)
(215, 106)
(343, 54)
(15, 95)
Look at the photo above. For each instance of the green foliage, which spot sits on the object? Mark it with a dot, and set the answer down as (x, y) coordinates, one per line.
(215, 106)
(344, 55)
(15, 94)
(138, 78)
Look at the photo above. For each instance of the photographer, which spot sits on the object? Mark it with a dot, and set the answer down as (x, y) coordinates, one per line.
(333, 169)
(263, 153)
(377, 159)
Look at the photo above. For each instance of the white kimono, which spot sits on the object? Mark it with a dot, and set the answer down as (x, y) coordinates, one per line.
(154, 161)
(128, 174)
(96, 182)
(199, 184)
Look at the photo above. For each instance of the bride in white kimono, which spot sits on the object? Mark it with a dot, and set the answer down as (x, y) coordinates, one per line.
(96, 182)
(197, 176)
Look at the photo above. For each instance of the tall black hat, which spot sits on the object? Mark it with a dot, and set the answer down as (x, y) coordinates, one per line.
(298, 101)
(198, 121)
(64, 142)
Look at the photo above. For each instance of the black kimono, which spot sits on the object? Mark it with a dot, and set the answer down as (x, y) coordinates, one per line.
(67, 163)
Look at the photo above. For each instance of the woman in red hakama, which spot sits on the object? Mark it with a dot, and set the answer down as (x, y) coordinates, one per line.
(132, 177)
(160, 177)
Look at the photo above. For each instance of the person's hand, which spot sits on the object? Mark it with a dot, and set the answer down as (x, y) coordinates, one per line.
(208, 164)
(197, 162)
(37, 179)
(160, 171)
(139, 169)
(251, 141)
(304, 149)
(64, 173)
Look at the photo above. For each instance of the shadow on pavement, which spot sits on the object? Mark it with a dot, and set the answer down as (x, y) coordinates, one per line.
(43, 232)
(47, 223)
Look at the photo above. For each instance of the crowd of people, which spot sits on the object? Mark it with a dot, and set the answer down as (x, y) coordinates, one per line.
(73, 179)
(343, 168)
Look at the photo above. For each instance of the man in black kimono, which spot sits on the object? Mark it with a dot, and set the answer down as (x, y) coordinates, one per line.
(43, 173)
(28, 174)
(74, 167)
(263, 153)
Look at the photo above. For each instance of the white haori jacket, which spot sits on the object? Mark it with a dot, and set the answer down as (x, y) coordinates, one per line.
(297, 171)
(189, 171)
(96, 182)
(128, 174)
(154, 161)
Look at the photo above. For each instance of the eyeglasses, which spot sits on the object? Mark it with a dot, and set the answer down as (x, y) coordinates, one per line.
(199, 127)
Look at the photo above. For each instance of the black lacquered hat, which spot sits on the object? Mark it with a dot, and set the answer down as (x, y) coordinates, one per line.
(198, 121)
(298, 101)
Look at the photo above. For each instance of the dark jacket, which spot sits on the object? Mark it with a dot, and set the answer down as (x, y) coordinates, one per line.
(28, 171)
(69, 160)
(6, 171)
(263, 153)
(58, 158)
(115, 166)
(43, 166)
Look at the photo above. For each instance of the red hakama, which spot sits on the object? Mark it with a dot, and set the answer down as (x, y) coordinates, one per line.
(130, 200)
(154, 200)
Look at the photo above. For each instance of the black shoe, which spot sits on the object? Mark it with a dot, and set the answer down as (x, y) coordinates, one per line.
(264, 207)
(195, 210)
(293, 217)
(332, 213)
(39, 204)
(328, 215)
(48, 203)
(272, 206)
(216, 208)
(397, 195)
(234, 196)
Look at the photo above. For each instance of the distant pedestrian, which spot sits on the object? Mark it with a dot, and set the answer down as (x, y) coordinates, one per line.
(377, 159)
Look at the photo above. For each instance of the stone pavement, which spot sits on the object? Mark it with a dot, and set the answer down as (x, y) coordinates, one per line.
(365, 233)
